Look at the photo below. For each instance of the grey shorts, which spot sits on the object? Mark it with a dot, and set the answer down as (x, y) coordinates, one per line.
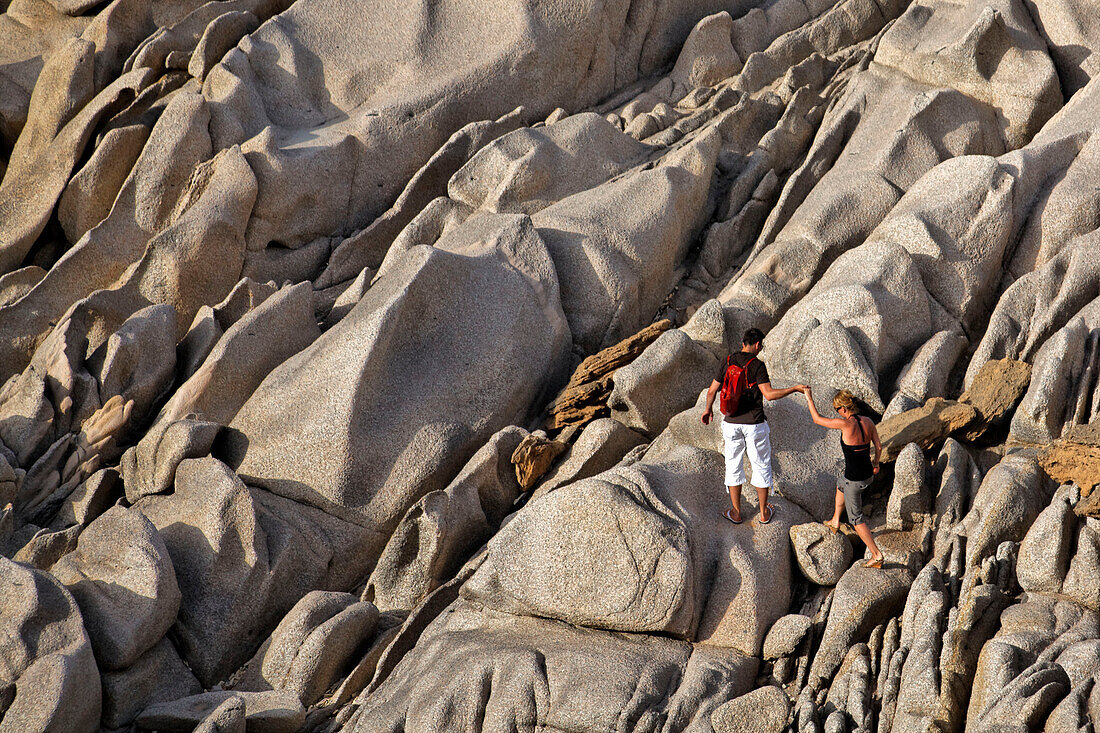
(853, 500)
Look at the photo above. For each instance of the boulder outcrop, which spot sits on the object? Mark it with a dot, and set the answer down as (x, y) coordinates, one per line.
(353, 353)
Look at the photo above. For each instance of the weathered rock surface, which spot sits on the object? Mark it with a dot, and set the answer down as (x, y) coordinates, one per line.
(499, 280)
(763, 709)
(600, 445)
(282, 292)
(925, 426)
(159, 675)
(1079, 463)
(441, 530)
(822, 556)
(274, 712)
(315, 641)
(584, 397)
(995, 391)
(533, 457)
(785, 635)
(122, 577)
(50, 680)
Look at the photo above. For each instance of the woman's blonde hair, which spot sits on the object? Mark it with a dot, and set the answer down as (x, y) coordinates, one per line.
(847, 400)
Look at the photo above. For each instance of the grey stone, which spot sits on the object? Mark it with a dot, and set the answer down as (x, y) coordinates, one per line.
(1040, 303)
(440, 532)
(64, 110)
(1059, 365)
(251, 347)
(764, 709)
(122, 578)
(1024, 703)
(266, 712)
(187, 255)
(243, 558)
(601, 445)
(864, 597)
(1045, 551)
(246, 296)
(593, 534)
(44, 548)
(489, 287)
(785, 635)
(198, 342)
(911, 498)
(538, 662)
(663, 381)
(926, 375)
(707, 57)
(707, 326)
(980, 29)
(526, 170)
(1009, 499)
(360, 129)
(228, 717)
(219, 37)
(616, 264)
(830, 338)
(313, 644)
(139, 359)
(52, 682)
(89, 194)
(150, 466)
(89, 500)
(1082, 580)
(367, 247)
(822, 556)
(158, 675)
(958, 477)
(850, 691)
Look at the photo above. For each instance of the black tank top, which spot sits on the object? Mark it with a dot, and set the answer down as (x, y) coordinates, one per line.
(857, 458)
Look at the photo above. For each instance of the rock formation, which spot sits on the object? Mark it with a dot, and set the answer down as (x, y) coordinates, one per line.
(352, 356)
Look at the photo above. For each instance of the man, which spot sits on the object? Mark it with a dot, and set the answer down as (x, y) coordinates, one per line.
(748, 427)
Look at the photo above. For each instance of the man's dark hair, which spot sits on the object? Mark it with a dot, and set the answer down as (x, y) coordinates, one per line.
(753, 336)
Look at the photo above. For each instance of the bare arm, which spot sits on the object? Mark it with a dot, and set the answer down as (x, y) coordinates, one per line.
(825, 422)
(712, 392)
(878, 445)
(777, 394)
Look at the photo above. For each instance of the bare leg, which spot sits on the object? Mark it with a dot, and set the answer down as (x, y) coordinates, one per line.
(838, 502)
(868, 539)
(735, 499)
(765, 507)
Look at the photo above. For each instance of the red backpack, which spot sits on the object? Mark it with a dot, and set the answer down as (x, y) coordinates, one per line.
(734, 384)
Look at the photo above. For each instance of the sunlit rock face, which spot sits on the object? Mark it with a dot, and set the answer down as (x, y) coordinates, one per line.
(352, 358)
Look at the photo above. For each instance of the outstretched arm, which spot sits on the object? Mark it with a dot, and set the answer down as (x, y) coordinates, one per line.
(777, 394)
(825, 422)
(708, 411)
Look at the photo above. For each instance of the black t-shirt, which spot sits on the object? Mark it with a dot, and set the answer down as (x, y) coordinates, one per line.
(751, 408)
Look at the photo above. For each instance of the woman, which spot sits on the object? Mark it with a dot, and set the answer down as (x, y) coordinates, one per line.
(856, 435)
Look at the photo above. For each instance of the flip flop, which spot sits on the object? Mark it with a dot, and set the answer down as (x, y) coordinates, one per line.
(873, 563)
(832, 529)
(771, 514)
(727, 516)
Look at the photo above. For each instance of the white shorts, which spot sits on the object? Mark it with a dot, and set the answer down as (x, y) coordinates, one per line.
(757, 438)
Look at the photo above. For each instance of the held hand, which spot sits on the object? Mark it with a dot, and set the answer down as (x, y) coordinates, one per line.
(706, 416)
